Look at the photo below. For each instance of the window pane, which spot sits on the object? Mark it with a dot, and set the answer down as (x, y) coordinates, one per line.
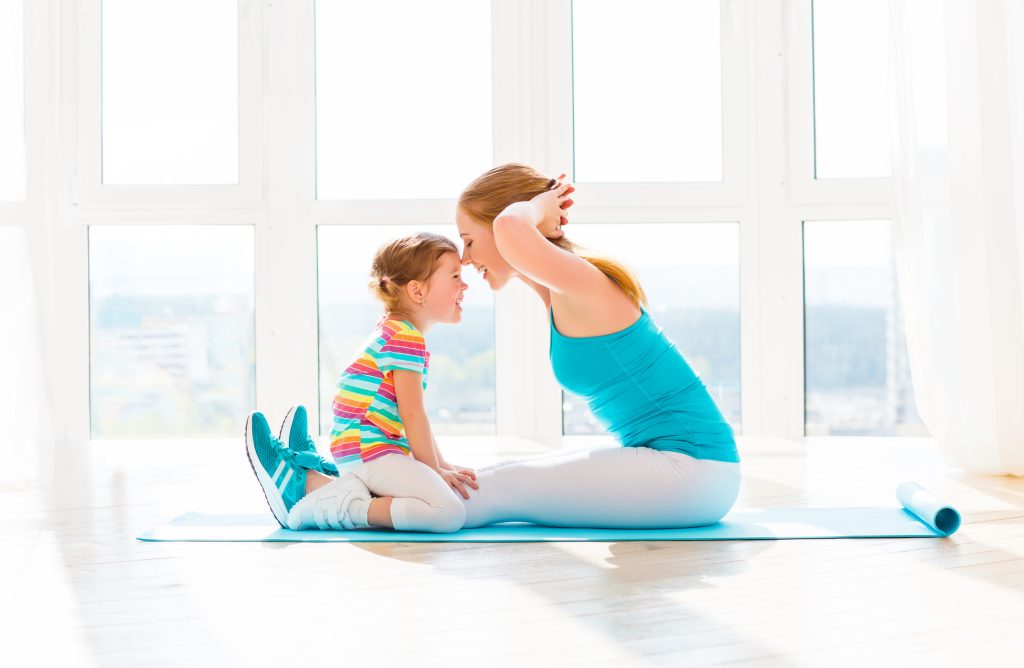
(857, 374)
(460, 384)
(170, 92)
(647, 90)
(691, 275)
(171, 327)
(403, 97)
(851, 100)
(12, 103)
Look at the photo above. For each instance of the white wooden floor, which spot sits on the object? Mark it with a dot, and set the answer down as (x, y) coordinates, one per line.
(79, 590)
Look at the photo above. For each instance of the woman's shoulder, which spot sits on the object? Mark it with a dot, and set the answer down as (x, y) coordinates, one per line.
(606, 312)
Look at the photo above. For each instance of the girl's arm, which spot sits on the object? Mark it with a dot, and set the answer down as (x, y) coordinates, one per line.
(409, 392)
(437, 452)
(453, 467)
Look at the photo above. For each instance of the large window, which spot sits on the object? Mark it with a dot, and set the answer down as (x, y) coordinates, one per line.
(171, 330)
(647, 90)
(857, 373)
(690, 273)
(225, 150)
(460, 383)
(170, 92)
(12, 117)
(403, 97)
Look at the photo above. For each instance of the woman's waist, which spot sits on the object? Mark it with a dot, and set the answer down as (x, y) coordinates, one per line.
(688, 412)
(697, 429)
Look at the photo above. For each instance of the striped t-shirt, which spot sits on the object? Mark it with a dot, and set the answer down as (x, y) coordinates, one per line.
(366, 422)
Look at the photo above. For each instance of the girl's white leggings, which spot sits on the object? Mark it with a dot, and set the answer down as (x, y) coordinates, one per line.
(617, 487)
(423, 501)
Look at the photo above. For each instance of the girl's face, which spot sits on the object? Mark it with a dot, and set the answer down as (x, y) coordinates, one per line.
(480, 251)
(442, 298)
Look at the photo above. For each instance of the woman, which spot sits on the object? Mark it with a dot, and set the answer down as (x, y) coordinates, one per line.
(678, 466)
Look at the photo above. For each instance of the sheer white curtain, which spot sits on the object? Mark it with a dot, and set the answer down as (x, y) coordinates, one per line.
(25, 439)
(958, 152)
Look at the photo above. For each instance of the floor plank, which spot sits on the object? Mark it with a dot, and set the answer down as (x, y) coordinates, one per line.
(88, 594)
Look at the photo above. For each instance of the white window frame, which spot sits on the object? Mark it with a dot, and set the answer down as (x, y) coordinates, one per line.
(768, 189)
(638, 198)
(805, 188)
(88, 190)
(839, 199)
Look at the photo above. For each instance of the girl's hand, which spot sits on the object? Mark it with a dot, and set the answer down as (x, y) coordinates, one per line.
(553, 206)
(458, 481)
(464, 470)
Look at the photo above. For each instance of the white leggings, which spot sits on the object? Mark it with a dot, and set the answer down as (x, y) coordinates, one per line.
(625, 488)
(423, 501)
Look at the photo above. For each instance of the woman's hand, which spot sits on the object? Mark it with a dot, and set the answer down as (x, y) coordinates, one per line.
(553, 205)
(458, 481)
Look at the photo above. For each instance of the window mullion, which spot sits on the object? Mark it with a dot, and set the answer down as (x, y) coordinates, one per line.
(530, 127)
(771, 283)
(286, 306)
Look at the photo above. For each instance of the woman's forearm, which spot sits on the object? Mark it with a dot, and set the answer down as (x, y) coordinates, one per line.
(526, 212)
(516, 235)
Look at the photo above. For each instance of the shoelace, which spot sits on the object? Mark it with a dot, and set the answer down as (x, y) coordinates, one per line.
(305, 460)
(323, 465)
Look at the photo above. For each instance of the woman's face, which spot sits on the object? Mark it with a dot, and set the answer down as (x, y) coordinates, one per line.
(480, 251)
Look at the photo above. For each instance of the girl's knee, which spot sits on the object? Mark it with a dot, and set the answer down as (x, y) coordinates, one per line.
(451, 515)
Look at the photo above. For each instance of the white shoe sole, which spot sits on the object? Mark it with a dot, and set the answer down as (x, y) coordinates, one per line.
(286, 426)
(274, 499)
(286, 429)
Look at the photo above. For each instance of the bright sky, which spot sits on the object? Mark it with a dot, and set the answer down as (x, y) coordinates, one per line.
(169, 260)
(170, 91)
(849, 243)
(647, 90)
(851, 79)
(403, 97)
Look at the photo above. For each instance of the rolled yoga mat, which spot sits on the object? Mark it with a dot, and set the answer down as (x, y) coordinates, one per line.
(922, 516)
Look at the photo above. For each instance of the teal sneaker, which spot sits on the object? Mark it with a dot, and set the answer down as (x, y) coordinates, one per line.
(295, 432)
(281, 472)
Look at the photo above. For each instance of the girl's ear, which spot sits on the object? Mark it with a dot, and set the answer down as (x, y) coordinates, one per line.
(415, 290)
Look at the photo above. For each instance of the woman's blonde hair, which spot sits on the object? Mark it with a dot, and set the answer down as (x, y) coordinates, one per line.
(412, 258)
(487, 196)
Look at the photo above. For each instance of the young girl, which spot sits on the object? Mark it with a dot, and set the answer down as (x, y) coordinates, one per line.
(390, 470)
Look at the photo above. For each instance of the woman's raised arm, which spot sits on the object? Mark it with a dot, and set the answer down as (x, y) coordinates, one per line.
(522, 232)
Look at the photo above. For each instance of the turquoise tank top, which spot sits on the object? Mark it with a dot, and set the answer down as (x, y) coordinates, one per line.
(642, 390)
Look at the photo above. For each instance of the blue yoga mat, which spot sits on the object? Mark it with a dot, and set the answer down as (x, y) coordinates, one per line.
(921, 516)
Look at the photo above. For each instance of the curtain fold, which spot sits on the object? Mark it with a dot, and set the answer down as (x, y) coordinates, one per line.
(958, 161)
(26, 450)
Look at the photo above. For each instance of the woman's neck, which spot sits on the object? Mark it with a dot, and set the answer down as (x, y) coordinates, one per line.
(542, 291)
